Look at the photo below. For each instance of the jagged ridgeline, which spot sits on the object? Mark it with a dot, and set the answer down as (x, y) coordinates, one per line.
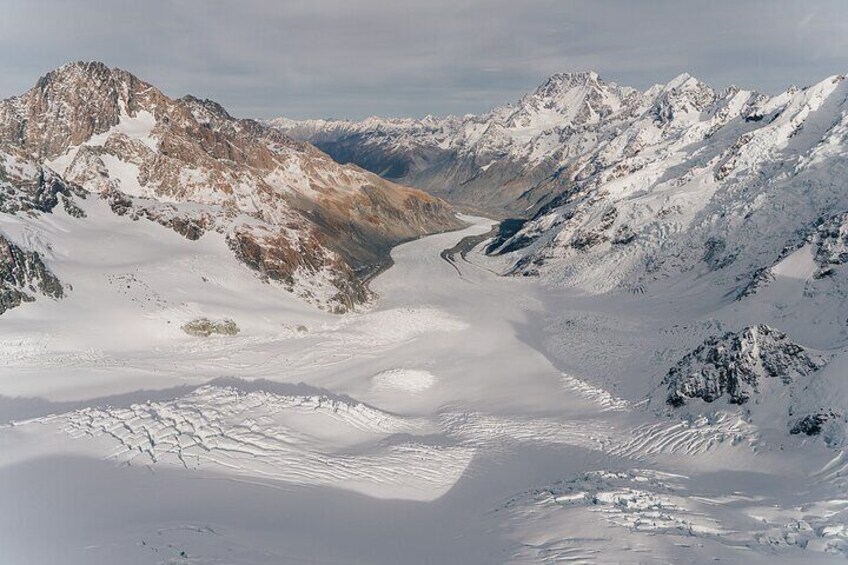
(621, 189)
(287, 210)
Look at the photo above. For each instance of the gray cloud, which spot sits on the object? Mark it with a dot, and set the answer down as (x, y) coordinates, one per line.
(306, 58)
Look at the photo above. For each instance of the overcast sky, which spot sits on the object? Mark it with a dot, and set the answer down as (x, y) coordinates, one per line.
(354, 58)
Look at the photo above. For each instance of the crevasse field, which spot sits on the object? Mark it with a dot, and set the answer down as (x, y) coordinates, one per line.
(464, 418)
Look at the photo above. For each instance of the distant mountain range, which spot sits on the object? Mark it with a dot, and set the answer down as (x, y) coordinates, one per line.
(619, 187)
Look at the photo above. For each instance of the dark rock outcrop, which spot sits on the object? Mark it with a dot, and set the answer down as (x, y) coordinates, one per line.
(23, 274)
(204, 327)
(734, 365)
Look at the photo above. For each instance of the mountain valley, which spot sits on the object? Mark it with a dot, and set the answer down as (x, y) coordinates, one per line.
(598, 325)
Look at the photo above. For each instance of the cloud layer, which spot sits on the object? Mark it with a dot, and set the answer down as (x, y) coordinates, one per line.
(353, 58)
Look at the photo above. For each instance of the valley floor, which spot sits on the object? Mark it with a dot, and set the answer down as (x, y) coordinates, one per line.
(466, 418)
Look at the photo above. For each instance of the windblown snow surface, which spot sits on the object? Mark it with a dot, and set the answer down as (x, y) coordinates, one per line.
(466, 418)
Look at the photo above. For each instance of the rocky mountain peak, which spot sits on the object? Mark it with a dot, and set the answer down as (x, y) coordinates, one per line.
(683, 95)
(69, 105)
(563, 89)
(285, 209)
(567, 99)
(88, 86)
(564, 81)
(204, 110)
(77, 71)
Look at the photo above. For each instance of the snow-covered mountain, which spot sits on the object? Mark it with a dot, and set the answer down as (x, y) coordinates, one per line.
(727, 204)
(624, 188)
(284, 208)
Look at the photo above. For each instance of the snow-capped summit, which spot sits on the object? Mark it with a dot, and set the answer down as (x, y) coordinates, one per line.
(512, 158)
(568, 100)
(683, 95)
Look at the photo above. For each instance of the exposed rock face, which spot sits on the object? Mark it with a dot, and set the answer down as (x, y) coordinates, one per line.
(831, 241)
(22, 274)
(282, 259)
(733, 366)
(26, 186)
(811, 424)
(190, 166)
(204, 327)
(68, 106)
